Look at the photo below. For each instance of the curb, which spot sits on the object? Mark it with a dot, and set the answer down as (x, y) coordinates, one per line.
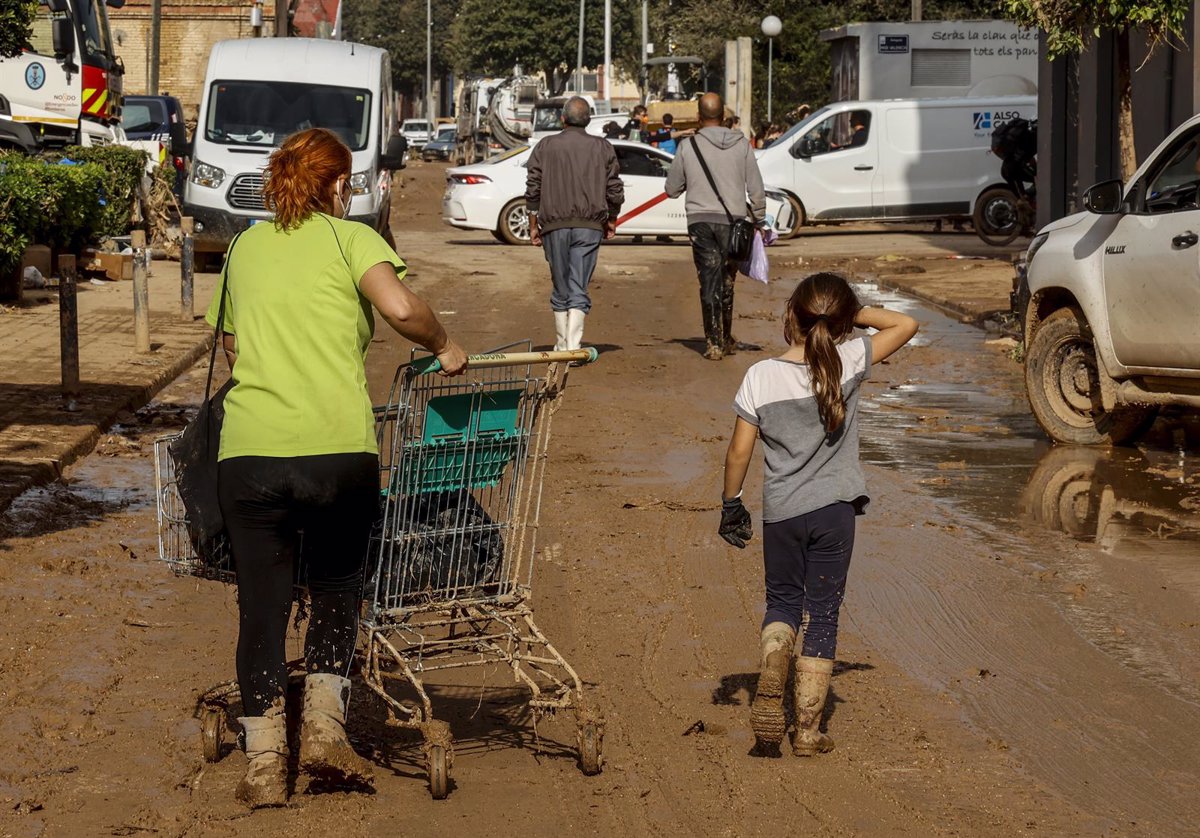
(997, 319)
(42, 472)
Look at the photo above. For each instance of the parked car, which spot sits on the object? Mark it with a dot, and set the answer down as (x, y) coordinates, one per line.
(1109, 300)
(491, 196)
(159, 118)
(416, 131)
(441, 147)
(258, 92)
(895, 160)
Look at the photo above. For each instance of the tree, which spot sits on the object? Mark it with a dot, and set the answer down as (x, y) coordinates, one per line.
(1070, 25)
(399, 27)
(16, 25)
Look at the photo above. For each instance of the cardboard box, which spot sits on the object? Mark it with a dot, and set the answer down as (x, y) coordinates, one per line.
(114, 265)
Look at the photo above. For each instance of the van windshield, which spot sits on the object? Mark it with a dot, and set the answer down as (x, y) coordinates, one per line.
(811, 119)
(265, 113)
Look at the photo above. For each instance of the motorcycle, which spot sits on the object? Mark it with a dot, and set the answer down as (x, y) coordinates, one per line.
(1003, 213)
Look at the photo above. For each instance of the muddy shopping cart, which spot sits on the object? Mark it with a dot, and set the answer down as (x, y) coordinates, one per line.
(449, 583)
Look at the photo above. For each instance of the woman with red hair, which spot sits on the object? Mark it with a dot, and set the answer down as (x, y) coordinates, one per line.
(298, 452)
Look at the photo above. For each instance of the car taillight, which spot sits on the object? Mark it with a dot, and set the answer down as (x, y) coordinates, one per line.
(178, 163)
(470, 179)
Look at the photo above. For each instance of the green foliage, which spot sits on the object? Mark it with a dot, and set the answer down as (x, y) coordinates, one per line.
(399, 27)
(123, 169)
(43, 201)
(16, 24)
(1070, 24)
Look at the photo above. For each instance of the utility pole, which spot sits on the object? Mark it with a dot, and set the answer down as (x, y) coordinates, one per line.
(281, 19)
(643, 75)
(607, 96)
(429, 65)
(579, 51)
(916, 9)
(155, 41)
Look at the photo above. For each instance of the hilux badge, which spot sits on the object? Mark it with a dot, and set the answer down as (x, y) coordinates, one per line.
(1114, 249)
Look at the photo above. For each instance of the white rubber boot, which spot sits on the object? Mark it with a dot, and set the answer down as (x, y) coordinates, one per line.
(812, 687)
(560, 330)
(265, 783)
(766, 713)
(575, 319)
(325, 752)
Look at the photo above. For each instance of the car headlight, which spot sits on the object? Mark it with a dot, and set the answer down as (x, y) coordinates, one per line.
(360, 183)
(207, 175)
(1034, 246)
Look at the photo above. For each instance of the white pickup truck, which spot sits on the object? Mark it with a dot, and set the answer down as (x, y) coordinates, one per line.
(1111, 307)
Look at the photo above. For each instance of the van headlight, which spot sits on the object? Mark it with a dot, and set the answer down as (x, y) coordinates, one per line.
(360, 183)
(207, 175)
(1034, 246)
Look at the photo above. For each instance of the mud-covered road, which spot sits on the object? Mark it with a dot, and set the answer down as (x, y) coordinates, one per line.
(1020, 646)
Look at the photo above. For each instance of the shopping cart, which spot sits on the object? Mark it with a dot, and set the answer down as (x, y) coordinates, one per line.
(462, 461)
(449, 580)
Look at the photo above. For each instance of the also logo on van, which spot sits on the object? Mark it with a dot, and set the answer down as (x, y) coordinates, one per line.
(983, 119)
(986, 120)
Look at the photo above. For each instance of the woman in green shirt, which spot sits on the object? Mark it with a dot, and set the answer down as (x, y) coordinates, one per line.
(298, 448)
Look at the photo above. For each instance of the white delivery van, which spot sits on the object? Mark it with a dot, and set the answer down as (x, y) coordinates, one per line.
(891, 160)
(258, 92)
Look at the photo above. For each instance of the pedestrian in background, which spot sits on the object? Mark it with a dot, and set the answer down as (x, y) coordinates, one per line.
(574, 194)
(635, 128)
(298, 449)
(717, 169)
(804, 406)
(665, 137)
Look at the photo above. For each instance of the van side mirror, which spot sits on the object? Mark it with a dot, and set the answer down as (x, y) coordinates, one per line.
(393, 157)
(62, 35)
(58, 7)
(115, 4)
(180, 146)
(803, 148)
(1107, 198)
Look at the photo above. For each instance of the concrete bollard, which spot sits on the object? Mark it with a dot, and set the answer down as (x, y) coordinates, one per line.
(68, 330)
(187, 271)
(141, 292)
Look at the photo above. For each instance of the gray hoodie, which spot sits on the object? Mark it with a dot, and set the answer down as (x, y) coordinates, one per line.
(731, 161)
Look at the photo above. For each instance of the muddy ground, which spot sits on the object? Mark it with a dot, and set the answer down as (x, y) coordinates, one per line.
(1020, 640)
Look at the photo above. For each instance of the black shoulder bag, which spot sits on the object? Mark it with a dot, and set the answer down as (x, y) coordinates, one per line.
(741, 231)
(195, 452)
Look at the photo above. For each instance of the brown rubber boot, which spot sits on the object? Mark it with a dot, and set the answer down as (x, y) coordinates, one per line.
(812, 687)
(325, 752)
(766, 712)
(265, 783)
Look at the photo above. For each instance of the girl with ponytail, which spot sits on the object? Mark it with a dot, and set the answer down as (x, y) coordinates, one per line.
(804, 406)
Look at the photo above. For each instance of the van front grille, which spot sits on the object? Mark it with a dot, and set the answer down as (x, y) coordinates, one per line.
(246, 192)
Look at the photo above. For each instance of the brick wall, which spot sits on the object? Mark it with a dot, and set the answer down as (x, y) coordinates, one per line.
(187, 34)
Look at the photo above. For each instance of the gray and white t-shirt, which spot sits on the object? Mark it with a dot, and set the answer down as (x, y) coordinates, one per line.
(806, 468)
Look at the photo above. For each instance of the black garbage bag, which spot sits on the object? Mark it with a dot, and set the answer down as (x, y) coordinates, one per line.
(456, 548)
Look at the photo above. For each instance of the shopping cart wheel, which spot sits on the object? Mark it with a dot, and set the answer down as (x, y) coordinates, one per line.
(590, 759)
(212, 732)
(439, 772)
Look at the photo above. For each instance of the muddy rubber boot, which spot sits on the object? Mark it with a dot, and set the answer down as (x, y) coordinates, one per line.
(766, 713)
(812, 686)
(575, 318)
(325, 752)
(265, 783)
(714, 349)
(560, 330)
(730, 346)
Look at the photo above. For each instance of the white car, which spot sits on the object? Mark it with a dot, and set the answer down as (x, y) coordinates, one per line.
(491, 196)
(417, 132)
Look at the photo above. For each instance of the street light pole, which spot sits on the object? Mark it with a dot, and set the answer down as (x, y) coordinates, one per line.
(771, 27)
(579, 52)
(429, 65)
(607, 54)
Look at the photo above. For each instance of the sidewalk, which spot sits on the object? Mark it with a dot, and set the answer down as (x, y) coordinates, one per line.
(38, 436)
(976, 290)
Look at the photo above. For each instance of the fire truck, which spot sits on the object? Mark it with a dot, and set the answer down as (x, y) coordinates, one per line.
(65, 86)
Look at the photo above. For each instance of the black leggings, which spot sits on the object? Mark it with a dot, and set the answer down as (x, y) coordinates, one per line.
(807, 559)
(272, 505)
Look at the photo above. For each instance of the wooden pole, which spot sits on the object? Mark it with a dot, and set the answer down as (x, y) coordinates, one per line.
(187, 271)
(141, 292)
(68, 329)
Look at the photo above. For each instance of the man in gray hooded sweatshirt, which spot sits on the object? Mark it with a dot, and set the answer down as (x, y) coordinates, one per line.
(730, 160)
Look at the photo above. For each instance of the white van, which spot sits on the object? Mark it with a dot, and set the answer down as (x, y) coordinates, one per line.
(891, 160)
(259, 91)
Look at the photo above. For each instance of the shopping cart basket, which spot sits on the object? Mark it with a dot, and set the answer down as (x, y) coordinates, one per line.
(449, 579)
(462, 463)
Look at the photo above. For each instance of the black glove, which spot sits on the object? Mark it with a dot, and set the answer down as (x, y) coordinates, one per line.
(735, 523)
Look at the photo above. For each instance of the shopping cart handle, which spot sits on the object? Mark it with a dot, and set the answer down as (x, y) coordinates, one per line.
(587, 355)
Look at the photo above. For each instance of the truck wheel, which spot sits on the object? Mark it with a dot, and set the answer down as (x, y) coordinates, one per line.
(798, 218)
(1062, 381)
(997, 218)
(514, 222)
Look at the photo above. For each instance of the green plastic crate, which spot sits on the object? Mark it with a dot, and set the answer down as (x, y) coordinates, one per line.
(482, 425)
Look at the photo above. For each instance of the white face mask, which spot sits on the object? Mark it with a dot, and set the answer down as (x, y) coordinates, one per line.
(346, 196)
